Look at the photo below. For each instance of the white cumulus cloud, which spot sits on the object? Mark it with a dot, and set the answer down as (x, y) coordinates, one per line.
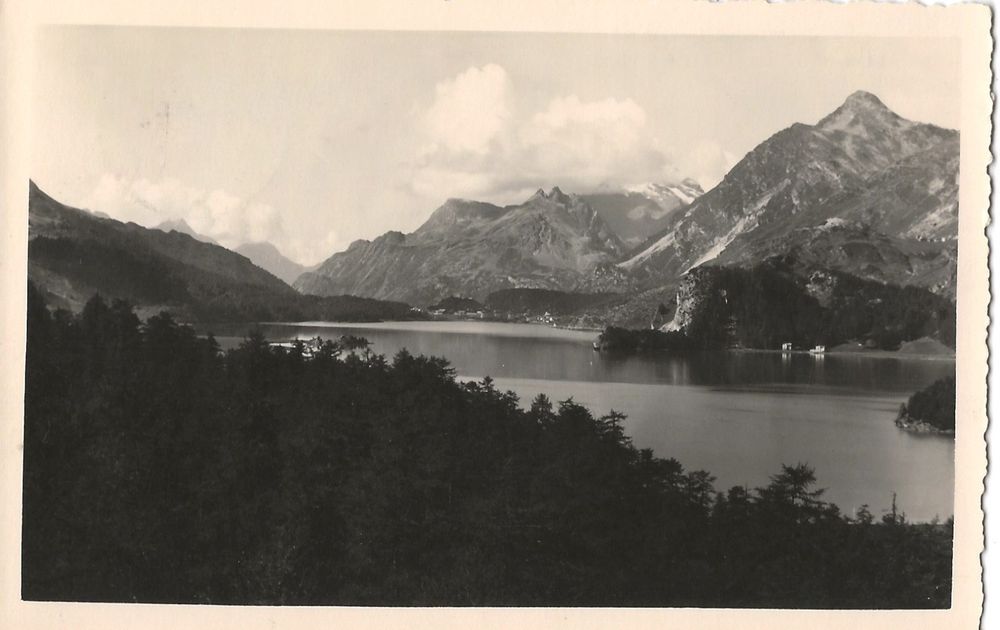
(602, 141)
(709, 163)
(470, 110)
(477, 146)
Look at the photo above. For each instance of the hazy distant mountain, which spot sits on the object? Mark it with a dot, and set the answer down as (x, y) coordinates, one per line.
(640, 212)
(471, 249)
(180, 225)
(73, 254)
(266, 256)
(863, 191)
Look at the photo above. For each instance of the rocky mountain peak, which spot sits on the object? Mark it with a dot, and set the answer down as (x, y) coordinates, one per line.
(552, 240)
(177, 225)
(865, 100)
(182, 226)
(862, 112)
(392, 238)
(269, 258)
(556, 195)
(804, 188)
(458, 214)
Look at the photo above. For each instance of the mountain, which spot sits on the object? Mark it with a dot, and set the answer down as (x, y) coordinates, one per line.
(267, 257)
(73, 254)
(863, 191)
(180, 225)
(640, 212)
(471, 249)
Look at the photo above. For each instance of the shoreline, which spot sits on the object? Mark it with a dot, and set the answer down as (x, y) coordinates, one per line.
(921, 427)
(874, 354)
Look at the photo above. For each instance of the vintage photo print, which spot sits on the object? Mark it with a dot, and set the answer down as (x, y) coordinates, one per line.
(568, 313)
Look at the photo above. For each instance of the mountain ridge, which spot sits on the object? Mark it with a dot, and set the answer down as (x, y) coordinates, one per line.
(469, 248)
(183, 227)
(74, 254)
(862, 163)
(269, 258)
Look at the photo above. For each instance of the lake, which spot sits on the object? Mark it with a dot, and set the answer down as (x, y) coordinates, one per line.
(738, 415)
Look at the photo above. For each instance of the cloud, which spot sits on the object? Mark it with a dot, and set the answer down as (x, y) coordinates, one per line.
(310, 250)
(709, 163)
(575, 123)
(475, 145)
(227, 218)
(602, 141)
(470, 110)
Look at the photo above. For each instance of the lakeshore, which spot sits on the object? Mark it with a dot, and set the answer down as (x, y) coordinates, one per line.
(737, 413)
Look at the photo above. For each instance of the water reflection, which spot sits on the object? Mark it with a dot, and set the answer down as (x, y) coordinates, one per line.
(739, 415)
(478, 349)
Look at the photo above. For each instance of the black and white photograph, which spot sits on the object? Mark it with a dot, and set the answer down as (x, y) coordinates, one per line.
(492, 318)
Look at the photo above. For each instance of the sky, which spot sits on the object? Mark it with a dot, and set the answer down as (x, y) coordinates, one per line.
(313, 139)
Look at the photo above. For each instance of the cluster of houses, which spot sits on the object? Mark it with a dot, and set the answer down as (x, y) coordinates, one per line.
(546, 318)
(309, 346)
(441, 312)
(787, 347)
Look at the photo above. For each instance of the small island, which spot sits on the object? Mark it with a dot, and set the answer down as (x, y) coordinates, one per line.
(931, 410)
(625, 340)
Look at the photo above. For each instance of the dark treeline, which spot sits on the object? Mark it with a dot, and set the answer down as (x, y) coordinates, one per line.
(767, 305)
(158, 469)
(933, 405)
(614, 339)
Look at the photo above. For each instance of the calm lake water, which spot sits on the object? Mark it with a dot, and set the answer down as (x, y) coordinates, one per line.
(738, 415)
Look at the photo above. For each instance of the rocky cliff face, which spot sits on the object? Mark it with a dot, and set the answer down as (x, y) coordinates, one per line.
(692, 291)
(552, 241)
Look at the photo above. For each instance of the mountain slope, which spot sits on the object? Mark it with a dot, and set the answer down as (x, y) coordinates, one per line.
(892, 180)
(471, 249)
(73, 254)
(269, 258)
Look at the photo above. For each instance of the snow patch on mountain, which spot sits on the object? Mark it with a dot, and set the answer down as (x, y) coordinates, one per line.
(640, 213)
(660, 245)
(684, 192)
(832, 222)
(934, 221)
(721, 244)
(683, 195)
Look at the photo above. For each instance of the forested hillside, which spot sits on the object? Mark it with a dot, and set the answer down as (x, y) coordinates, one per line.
(769, 304)
(73, 254)
(157, 469)
(933, 406)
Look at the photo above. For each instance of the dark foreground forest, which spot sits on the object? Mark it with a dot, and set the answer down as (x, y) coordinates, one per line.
(158, 469)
